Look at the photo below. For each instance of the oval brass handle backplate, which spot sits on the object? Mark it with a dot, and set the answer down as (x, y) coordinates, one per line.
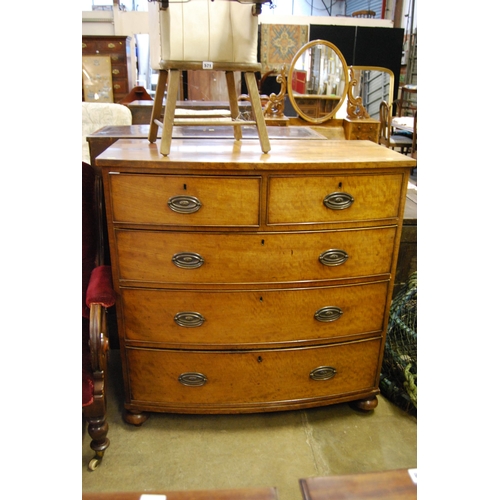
(189, 319)
(192, 379)
(338, 201)
(333, 257)
(328, 314)
(188, 260)
(323, 373)
(183, 204)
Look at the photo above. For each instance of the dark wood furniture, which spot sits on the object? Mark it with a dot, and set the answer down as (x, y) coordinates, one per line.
(386, 485)
(230, 494)
(118, 49)
(250, 282)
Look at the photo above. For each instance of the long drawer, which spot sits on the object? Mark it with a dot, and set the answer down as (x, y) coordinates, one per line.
(330, 199)
(216, 319)
(177, 257)
(192, 380)
(185, 200)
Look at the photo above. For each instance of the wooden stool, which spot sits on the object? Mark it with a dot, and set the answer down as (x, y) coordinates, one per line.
(204, 35)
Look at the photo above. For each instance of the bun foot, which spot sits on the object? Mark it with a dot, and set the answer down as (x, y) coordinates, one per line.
(365, 404)
(136, 418)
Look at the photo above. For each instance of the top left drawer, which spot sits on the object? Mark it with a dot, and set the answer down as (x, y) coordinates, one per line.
(185, 200)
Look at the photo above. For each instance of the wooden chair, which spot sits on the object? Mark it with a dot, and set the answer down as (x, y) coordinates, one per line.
(387, 138)
(406, 105)
(97, 295)
(364, 13)
(204, 35)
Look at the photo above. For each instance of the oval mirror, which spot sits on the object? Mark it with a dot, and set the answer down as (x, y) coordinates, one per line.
(317, 81)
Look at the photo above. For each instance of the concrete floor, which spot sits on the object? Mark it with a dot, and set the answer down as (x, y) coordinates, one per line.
(193, 452)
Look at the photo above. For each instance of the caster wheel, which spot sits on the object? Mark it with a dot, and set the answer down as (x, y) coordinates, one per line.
(94, 463)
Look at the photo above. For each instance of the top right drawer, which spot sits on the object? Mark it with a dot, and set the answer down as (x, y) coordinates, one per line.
(329, 199)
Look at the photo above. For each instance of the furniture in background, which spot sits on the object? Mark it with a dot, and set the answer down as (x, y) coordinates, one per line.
(406, 105)
(204, 35)
(118, 50)
(399, 484)
(262, 493)
(136, 94)
(97, 294)
(364, 14)
(272, 297)
(387, 137)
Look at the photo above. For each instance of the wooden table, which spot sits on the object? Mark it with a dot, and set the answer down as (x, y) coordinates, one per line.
(403, 123)
(233, 494)
(100, 140)
(388, 485)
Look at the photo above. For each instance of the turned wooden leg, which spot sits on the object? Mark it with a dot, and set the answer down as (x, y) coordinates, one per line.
(233, 103)
(134, 417)
(98, 430)
(365, 404)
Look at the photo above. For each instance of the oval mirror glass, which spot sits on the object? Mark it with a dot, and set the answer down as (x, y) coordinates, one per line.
(317, 81)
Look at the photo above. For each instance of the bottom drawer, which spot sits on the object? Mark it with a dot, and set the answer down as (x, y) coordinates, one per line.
(188, 381)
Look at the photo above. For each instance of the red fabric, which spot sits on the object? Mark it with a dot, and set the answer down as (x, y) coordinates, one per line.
(87, 381)
(100, 289)
(88, 234)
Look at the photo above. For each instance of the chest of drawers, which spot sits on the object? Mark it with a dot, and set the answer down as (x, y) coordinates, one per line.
(250, 282)
(118, 50)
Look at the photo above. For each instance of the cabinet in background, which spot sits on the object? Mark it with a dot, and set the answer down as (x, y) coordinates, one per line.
(118, 49)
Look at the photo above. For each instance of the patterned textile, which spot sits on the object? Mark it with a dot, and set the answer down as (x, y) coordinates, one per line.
(279, 44)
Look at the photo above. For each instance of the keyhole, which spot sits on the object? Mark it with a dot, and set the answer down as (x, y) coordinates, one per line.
(259, 359)
(261, 299)
(262, 242)
(340, 184)
(185, 187)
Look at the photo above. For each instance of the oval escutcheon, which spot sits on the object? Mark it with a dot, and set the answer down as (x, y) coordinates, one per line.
(183, 204)
(188, 260)
(192, 379)
(189, 319)
(328, 314)
(338, 201)
(323, 373)
(333, 257)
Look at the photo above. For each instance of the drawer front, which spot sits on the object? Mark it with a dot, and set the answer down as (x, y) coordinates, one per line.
(187, 201)
(197, 378)
(327, 199)
(215, 319)
(175, 257)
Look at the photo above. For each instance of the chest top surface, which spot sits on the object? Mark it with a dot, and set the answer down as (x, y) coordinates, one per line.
(246, 155)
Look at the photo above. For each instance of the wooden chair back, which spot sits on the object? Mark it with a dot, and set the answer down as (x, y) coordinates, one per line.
(385, 124)
(364, 13)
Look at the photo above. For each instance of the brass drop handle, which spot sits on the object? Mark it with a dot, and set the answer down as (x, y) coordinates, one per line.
(333, 257)
(192, 379)
(189, 319)
(338, 201)
(328, 314)
(183, 204)
(188, 260)
(323, 373)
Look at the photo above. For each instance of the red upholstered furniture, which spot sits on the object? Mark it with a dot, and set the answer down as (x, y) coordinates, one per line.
(98, 294)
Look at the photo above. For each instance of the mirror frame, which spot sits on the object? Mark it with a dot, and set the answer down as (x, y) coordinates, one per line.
(300, 52)
(382, 70)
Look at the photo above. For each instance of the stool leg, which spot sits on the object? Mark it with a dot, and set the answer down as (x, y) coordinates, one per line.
(233, 103)
(253, 91)
(157, 105)
(168, 120)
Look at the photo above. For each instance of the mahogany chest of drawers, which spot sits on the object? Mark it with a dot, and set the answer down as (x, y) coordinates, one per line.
(118, 50)
(252, 282)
